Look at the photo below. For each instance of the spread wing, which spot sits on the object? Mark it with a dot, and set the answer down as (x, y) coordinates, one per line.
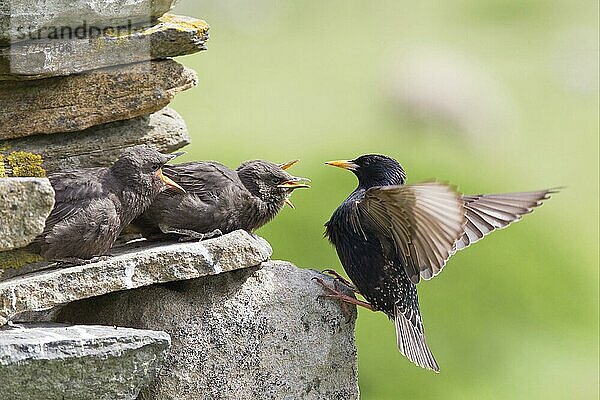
(424, 221)
(488, 212)
(204, 179)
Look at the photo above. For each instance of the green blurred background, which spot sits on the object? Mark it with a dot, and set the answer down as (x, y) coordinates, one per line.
(493, 95)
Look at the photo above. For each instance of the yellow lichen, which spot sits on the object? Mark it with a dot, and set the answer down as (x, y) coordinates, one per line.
(2, 169)
(184, 23)
(23, 163)
(16, 259)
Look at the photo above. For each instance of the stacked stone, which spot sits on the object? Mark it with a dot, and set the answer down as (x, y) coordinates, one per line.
(79, 82)
(241, 326)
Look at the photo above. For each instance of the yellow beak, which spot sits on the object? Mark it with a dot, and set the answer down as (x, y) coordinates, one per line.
(288, 164)
(295, 183)
(168, 181)
(344, 164)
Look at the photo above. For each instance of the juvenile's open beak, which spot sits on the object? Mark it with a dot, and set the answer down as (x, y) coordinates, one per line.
(295, 183)
(168, 181)
(289, 203)
(288, 164)
(344, 164)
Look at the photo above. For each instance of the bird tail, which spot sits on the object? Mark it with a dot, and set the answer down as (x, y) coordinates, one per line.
(411, 339)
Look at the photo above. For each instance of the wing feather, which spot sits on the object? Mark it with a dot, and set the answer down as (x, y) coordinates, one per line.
(488, 212)
(424, 220)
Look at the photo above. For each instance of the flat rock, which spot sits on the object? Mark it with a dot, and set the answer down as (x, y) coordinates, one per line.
(172, 36)
(132, 266)
(76, 102)
(100, 145)
(25, 203)
(20, 18)
(259, 333)
(78, 362)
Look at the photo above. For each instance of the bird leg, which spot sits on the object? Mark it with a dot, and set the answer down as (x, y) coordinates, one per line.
(75, 261)
(335, 294)
(339, 277)
(188, 235)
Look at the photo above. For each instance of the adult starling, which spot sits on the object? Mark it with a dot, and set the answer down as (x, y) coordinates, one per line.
(93, 205)
(389, 235)
(219, 200)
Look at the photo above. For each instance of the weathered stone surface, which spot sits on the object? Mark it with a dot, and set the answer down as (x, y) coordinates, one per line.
(51, 361)
(44, 16)
(100, 145)
(259, 333)
(34, 59)
(76, 102)
(25, 203)
(132, 266)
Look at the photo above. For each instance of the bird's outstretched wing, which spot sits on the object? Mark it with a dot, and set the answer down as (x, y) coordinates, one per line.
(488, 212)
(424, 221)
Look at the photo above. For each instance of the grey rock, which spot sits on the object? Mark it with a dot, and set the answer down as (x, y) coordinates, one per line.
(48, 362)
(76, 102)
(132, 266)
(100, 145)
(259, 333)
(172, 36)
(25, 203)
(44, 16)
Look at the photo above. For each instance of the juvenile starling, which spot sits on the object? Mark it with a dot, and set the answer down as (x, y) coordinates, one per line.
(389, 235)
(219, 200)
(93, 205)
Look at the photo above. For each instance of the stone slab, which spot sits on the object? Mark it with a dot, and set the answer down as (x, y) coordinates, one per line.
(50, 361)
(19, 18)
(100, 145)
(132, 266)
(258, 333)
(76, 102)
(25, 203)
(172, 36)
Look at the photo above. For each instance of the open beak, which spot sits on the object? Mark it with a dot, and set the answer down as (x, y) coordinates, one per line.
(344, 164)
(295, 183)
(289, 203)
(288, 164)
(168, 181)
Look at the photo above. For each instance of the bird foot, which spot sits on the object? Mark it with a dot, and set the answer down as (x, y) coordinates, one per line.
(75, 261)
(188, 235)
(343, 280)
(333, 292)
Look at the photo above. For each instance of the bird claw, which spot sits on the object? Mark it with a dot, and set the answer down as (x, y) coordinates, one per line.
(345, 300)
(75, 261)
(339, 277)
(187, 235)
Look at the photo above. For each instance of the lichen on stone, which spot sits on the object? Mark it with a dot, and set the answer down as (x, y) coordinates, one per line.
(23, 163)
(16, 259)
(2, 169)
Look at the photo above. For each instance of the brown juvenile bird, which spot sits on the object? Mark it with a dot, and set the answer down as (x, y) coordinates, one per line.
(389, 235)
(93, 205)
(219, 200)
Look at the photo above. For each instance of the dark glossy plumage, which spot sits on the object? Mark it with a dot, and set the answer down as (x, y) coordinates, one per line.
(218, 198)
(389, 235)
(93, 205)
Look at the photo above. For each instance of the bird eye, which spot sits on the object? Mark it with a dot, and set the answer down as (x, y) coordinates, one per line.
(274, 181)
(156, 166)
